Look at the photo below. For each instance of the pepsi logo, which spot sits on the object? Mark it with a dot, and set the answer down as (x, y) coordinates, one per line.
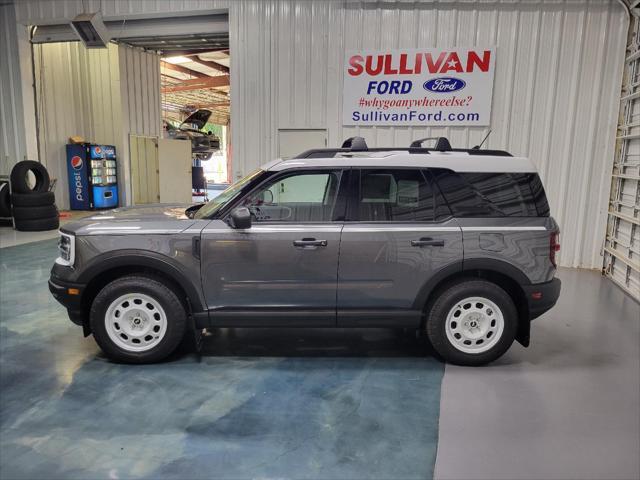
(98, 150)
(444, 85)
(76, 162)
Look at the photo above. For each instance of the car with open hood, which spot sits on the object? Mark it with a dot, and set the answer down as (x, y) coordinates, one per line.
(203, 144)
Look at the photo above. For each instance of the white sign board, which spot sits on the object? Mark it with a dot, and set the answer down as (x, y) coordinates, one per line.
(425, 87)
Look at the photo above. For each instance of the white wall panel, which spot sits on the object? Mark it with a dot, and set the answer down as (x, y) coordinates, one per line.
(555, 93)
(101, 95)
(12, 139)
(559, 65)
(78, 93)
(141, 108)
(140, 87)
(622, 247)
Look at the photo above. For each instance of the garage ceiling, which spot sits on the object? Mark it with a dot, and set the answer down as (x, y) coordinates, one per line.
(192, 81)
(195, 72)
(181, 44)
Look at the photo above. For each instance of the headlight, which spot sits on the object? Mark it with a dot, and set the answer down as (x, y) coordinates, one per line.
(66, 249)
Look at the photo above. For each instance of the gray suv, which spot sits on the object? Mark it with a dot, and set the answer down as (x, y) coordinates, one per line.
(456, 243)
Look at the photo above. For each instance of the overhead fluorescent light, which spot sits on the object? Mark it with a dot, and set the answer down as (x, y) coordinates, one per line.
(177, 60)
(91, 30)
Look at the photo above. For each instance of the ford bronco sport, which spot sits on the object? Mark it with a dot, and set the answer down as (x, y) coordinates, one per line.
(457, 243)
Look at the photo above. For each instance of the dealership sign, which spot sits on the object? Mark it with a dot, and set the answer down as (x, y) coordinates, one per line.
(428, 87)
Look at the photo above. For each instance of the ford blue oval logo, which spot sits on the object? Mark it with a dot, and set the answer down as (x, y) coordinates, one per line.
(444, 85)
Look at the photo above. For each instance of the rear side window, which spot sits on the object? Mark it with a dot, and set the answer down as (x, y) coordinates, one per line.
(493, 194)
(395, 195)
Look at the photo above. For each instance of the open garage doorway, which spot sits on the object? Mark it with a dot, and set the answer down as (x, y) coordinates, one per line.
(157, 93)
(195, 103)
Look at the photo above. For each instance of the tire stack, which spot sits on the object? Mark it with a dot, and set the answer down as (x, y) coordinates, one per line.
(5, 200)
(33, 207)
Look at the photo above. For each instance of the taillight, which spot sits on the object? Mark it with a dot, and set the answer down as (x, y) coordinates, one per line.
(554, 246)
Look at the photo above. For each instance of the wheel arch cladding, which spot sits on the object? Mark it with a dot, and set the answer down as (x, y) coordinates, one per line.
(502, 274)
(106, 268)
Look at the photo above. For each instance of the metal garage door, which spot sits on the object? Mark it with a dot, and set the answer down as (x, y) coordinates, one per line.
(622, 245)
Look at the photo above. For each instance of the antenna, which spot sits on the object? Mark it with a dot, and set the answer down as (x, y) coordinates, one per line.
(477, 147)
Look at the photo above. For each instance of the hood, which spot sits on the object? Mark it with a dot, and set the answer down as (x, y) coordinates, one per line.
(147, 219)
(198, 119)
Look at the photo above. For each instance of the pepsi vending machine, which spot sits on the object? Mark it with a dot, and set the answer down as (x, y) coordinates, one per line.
(93, 179)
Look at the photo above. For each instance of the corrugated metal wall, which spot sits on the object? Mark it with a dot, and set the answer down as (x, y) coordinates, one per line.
(555, 93)
(140, 84)
(559, 65)
(622, 248)
(78, 93)
(12, 140)
(141, 109)
(101, 95)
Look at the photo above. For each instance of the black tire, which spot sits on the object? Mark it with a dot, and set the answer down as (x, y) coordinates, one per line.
(176, 317)
(38, 224)
(5, 200)
(32, 213)
(452, 295)
(19, 177)
(32, 199)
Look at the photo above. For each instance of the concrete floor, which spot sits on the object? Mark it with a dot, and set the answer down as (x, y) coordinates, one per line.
(10, 237)
(318, 403)
(567, 407)
(257, 404)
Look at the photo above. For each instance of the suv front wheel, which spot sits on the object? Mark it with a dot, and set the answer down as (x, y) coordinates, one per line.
(137, 319)
(472, 322)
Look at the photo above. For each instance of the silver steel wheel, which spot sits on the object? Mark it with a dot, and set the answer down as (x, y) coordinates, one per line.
(474, 325)
(136, 322)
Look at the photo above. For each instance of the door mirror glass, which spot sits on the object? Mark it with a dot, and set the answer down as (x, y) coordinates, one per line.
(240, 218)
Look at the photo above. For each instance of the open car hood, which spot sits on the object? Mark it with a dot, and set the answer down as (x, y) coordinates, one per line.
(198, 119)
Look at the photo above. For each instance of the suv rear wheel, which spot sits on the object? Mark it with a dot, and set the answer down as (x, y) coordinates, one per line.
(137, 319)
(472, 322)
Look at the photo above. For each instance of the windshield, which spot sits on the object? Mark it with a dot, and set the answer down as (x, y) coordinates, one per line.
(217, 203)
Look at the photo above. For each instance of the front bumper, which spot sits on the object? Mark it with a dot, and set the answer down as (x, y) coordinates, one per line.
(70, 296)
(542, 296)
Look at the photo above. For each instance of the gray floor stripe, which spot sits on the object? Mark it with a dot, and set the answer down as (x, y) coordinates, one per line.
(567, 407)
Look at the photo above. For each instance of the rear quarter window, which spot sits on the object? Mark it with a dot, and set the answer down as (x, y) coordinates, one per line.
(493, 194)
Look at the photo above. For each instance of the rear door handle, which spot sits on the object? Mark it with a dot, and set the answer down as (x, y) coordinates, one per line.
(427, 242)
(309, 242)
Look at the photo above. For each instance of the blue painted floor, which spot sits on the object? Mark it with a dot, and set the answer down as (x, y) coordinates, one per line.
(317, 404)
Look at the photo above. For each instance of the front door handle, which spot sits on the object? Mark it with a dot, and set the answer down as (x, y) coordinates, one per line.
(309, 243)
(427, 242)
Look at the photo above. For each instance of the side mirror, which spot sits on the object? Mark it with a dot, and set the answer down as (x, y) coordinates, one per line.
(240, 218)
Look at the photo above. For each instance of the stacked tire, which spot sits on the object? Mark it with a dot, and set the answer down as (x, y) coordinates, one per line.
(33, 206)
(5, 200)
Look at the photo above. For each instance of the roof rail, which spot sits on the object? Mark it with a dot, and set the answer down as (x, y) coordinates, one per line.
(355, 144)
(442, 143)
(358, 144)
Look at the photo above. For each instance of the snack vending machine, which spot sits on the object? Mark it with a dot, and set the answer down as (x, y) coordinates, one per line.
(93, 179)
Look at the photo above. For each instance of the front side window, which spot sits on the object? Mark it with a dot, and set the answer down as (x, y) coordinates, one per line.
(395, 195)
(295, 198)
(225, 197)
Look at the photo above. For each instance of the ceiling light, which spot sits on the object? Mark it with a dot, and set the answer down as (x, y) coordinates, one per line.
(177, 60)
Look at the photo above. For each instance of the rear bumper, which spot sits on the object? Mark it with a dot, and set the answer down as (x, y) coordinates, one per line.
(542, 297)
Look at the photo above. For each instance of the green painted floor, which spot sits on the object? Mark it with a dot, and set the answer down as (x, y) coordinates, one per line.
(328, 404)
